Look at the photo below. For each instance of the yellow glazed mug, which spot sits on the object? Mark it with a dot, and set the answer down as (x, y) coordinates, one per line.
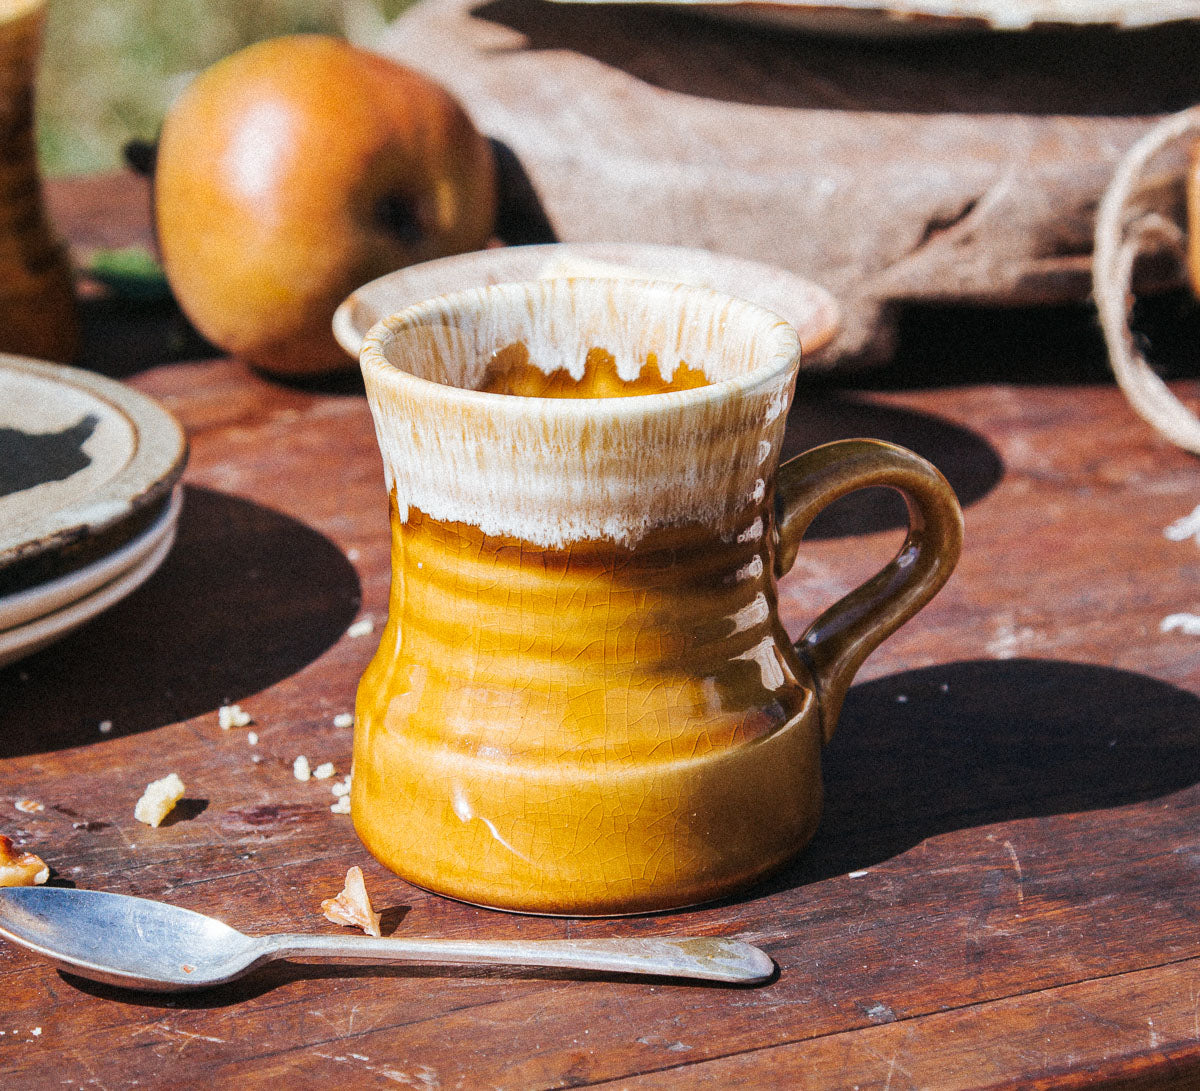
(584, 701)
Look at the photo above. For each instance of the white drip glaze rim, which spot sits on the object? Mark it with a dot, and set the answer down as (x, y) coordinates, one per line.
(551, 471)
(374, 357)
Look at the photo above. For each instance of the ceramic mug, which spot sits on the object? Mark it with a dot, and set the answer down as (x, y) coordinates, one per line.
(38, 315)
(584, 701)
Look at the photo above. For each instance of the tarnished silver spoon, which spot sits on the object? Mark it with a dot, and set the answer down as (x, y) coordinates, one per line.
(144, 944)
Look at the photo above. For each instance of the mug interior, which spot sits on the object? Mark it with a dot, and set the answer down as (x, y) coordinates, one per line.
(584, 338)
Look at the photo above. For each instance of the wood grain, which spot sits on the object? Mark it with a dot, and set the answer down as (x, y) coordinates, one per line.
(1002, 892)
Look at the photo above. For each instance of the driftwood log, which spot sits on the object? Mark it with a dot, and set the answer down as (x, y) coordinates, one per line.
(958, 168)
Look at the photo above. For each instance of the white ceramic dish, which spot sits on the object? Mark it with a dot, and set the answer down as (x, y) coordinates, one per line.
(35, 602)
(807, 306)
(23, 640)
(912, 18)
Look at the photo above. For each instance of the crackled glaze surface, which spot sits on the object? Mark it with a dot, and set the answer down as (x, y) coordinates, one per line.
(583, 701)
(590, 729)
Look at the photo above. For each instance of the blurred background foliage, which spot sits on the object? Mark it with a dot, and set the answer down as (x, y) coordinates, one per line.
(110, 68)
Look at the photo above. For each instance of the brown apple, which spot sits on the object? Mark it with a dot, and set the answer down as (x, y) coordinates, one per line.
(296, 170)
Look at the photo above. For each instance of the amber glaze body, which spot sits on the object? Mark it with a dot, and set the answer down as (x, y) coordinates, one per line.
(583, 701)
(37, 298)
(585, 729)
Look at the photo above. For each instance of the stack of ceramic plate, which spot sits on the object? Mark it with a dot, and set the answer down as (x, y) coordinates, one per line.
(89, 497)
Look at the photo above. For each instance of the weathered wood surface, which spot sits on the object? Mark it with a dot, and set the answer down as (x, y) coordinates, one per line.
(963, 168)
(1003, 892)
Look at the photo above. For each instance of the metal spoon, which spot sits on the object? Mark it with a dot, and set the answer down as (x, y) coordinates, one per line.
(144, 944)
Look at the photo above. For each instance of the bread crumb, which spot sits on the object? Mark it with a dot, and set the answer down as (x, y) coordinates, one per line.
(105, 726)
(341, 787)
(29, 806)
(352, 907)
(233, 716)
(159, 799)
(343, 719)
(341, 806)
(252, 738)
(365, 627)
(1187, 527)
(301, 769)
(36, 1032)
(1188, 624)
(324, 771)
(20, 868)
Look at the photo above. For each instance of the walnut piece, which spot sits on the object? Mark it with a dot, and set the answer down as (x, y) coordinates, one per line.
(352, 907)
(20, 868)
(159, 799)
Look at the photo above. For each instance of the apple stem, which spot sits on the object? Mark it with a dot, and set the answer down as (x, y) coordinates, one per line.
(520, 217)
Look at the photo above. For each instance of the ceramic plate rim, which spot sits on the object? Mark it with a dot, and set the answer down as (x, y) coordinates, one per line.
(156, 465)
(46, 598)
(518, 263)
(918, 18)
(23, 640)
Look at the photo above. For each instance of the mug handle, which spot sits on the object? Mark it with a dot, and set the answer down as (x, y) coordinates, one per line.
(836, 644)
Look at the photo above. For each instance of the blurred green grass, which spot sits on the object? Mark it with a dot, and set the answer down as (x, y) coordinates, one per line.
(111, 68)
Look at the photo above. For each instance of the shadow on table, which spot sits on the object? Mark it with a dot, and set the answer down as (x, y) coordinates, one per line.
(958, 344)
(971, 464)
(246, 597)
(978, 742)
(1038, 72)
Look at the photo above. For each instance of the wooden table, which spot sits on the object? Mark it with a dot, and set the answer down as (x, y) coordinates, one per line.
(1004, 890)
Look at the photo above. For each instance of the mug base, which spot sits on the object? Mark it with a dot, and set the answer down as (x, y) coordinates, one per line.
(743, 885)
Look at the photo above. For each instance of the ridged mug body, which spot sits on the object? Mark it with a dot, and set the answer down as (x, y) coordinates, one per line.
(583, 701)
(584, 730)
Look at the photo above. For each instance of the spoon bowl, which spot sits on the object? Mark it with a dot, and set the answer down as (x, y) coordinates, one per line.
(129, 941)
(142, 944)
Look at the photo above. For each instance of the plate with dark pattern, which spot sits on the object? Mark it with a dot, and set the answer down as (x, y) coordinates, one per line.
(87, 464)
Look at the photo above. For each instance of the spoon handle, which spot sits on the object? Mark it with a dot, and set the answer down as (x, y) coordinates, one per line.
(705, 958)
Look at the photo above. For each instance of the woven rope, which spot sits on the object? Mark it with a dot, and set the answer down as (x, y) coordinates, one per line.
(1121, 234)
